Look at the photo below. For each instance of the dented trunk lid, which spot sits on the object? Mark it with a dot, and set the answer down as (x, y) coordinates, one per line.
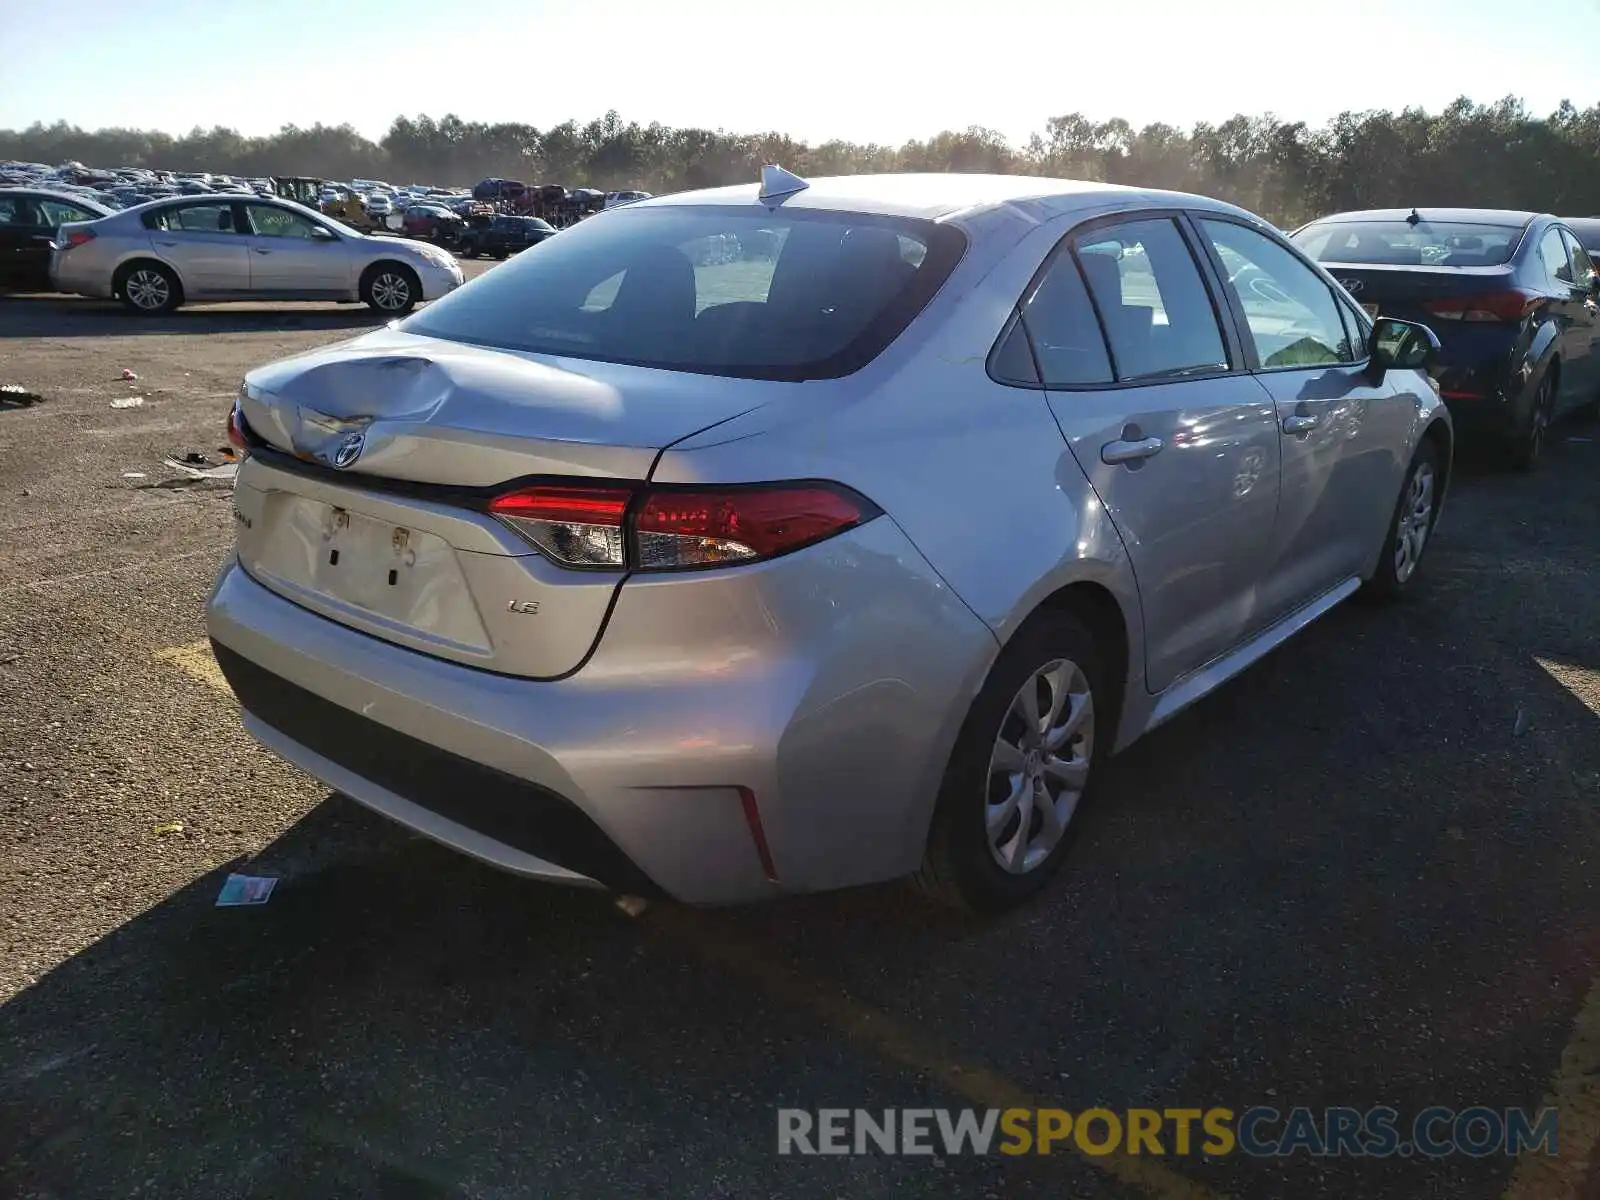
(385, 532)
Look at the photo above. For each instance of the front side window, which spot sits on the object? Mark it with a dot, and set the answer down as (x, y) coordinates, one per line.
(1291, 314)
(268, 220)
(1582, 264)
(1553, 254)
(728, 291)
(1151, 301)
(58, 213)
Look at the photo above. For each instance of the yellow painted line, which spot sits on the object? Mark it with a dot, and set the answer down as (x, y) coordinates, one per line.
(1575, 1092)
(196, 659)
(899, 1043)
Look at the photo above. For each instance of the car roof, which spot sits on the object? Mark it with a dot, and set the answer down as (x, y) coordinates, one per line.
(1462, 216)
(53, 194)
(934, 196)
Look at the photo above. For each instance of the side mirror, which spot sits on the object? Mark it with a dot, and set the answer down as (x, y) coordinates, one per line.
(1594, 283)
(321, 233)
(1402, 345)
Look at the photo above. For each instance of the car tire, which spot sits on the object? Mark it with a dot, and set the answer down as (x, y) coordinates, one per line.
(977, 823)
(1411, 528)
(501, 255)
(147, 288)
(1526, 446)
(390, 289)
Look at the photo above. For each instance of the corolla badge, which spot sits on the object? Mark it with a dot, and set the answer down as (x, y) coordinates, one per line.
(349, 450)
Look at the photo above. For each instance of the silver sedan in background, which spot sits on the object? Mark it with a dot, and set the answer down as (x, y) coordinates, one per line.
(765, 540)
(156, 256)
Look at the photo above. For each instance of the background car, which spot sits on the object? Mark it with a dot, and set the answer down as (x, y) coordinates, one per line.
(1511, 296)
(432, 222)
(1587, 231)
(29, 219)
(157, 256)
(501, 237)
(876, 548)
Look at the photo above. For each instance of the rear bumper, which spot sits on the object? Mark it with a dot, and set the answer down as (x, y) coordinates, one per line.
(78, 279)
(1482, 378)
(823, 689)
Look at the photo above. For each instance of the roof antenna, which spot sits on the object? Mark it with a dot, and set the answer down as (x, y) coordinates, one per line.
(776, 183)
(1415, 218)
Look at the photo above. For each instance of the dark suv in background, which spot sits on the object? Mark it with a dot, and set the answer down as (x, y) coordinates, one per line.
(500, 237)
(1511, 295)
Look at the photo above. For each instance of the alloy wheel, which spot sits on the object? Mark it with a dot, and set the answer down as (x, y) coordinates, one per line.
(1416, 522)
(148, 289)
(1039, 766)
(390, 291)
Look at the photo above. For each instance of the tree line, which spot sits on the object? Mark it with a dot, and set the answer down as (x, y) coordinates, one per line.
(1481, 155)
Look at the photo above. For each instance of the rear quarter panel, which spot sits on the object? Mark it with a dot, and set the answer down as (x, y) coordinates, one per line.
(976, 474)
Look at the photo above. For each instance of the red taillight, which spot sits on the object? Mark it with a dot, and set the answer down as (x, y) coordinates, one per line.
(1509, 306)
(76, 237)
(670, 529)
(236, 434)
(701, 529)
(574, 526)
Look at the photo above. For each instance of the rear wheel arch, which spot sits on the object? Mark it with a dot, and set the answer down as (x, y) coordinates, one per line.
(1098, 609)
(130, 265)
(1438, 432)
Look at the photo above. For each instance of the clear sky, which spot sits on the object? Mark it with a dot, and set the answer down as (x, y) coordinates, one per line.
(867, 70)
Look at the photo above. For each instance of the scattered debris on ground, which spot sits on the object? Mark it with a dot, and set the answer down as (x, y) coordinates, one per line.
(199, 467)
(239, 890)
(169, 827)
(14, 395)
(128, 375)
(128, 402)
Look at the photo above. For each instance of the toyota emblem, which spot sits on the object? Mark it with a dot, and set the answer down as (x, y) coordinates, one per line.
(349, 450)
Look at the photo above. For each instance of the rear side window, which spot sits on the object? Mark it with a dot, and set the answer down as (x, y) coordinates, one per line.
(1151, 301)
(193, 218)
(1066, 335)
(724, 291)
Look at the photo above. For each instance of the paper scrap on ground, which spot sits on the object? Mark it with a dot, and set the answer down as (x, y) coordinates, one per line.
(245, 889)
(128, 402)
(169, 827)
(224, 471)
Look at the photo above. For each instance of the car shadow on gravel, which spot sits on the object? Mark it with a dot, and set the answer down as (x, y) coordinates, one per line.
(1356, 875)
(55, 317)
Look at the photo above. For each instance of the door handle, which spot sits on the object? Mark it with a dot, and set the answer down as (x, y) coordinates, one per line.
(1113, 453)
(259, 250)
(169, 245)
(1300, 423)
(39, 237)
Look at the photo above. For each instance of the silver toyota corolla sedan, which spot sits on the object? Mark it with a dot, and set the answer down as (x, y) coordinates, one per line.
(777, 538)
(156, 256)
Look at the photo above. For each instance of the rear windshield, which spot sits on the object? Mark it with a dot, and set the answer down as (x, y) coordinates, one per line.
(720, 291)
(1400, 243)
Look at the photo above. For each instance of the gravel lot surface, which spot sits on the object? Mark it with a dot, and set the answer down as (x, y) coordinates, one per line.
(1363, 873)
